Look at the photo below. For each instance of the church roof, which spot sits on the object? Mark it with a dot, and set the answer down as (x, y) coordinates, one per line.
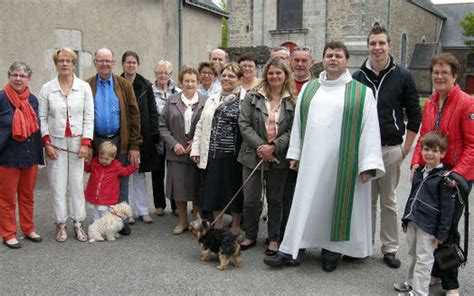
(452, 32)
(422, 54)
(428, 6)
(208, 5)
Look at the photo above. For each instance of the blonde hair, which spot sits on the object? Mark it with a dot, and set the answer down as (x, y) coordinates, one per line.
(67, 51)
(108, 148)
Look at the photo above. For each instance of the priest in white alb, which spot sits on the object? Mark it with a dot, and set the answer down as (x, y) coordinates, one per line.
(335, 146)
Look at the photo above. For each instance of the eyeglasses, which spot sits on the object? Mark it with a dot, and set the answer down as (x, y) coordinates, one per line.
(247, 66)
(301, 48)
(443, 74)
(229, 76)
(105, 62)
(163, 73)
(207, 73)
(67, 62)
(16, 76)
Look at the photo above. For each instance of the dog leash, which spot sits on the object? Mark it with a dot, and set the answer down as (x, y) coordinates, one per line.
(62, 149)
(238, 191)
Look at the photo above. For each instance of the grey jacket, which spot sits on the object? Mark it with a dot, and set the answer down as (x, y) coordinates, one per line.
(253, 115)
(172, 125)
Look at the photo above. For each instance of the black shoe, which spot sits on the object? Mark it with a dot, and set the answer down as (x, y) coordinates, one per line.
(348, 258)
(391, 260)
(125, 230)
(12, 246)
(330, 260)
(35, 239)
(280, 259)
(402, 287)
(269, 252)
(246, 247)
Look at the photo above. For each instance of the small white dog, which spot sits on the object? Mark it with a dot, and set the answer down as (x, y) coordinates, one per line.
(108, 226)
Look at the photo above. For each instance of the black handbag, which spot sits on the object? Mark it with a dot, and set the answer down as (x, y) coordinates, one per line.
(451, 256)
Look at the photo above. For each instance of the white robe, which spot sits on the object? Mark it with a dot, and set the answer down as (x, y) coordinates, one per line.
(309, 223)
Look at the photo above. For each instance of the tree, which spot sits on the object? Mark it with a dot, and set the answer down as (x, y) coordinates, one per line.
(224, 31)
(468, 25)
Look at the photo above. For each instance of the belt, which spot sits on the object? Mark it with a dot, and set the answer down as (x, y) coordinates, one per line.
(107, 137)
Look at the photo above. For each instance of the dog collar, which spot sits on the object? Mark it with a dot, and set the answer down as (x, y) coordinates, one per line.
(115, 214)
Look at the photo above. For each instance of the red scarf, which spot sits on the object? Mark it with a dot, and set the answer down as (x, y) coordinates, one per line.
(25, 122)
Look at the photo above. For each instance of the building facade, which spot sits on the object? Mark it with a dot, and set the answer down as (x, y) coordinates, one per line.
(30, 30)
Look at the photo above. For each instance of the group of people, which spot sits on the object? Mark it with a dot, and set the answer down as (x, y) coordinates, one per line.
(324, 153)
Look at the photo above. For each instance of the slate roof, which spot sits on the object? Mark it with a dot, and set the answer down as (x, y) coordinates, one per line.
(208, 5)
(452, 32)
(422, 54)
(427, 5)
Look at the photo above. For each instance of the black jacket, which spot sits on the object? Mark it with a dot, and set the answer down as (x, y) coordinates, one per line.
(431, 203)
(149, 123)
(395, 91)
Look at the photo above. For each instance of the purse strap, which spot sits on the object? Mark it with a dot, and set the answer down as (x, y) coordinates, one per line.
(463, 189)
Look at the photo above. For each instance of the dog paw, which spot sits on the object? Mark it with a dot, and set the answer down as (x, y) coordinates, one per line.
(220, 267)
(204, 258)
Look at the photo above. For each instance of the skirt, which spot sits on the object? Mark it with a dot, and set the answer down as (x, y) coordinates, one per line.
(182, 181)
(219, 182)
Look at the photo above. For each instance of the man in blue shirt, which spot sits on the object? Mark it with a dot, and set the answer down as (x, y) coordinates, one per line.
(117, 118)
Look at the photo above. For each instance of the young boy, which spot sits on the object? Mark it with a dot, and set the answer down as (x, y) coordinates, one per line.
(428, 214)
(103, 186)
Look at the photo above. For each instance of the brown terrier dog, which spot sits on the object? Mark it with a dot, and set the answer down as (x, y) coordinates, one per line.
(218, 241)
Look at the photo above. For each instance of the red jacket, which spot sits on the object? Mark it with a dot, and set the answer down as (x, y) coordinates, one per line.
(103, 187)
(457, 123)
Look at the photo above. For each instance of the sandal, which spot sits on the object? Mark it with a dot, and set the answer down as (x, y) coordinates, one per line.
(61, 234)
(80, 234)
(179, 229)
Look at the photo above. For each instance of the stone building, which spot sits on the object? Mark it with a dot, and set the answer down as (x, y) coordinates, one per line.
(313, 23)
(31, 29)
(452, 40)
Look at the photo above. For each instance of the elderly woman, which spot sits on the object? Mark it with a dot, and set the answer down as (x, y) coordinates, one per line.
(210, 85)
(215, 147)
(66, 111)
(249, 65)
(20, 153)
(177, 125)
(163, 88)
(265, 122)
(450, 111)
(150, 134)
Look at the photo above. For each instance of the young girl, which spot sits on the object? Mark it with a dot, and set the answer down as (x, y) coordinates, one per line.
(103, 187)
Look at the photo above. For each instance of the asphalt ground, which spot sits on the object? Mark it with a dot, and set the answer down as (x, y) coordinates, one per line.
(153, 261)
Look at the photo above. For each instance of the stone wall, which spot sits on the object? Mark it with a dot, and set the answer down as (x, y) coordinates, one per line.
(240, 25)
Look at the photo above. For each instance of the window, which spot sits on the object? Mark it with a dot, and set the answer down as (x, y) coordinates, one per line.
(290, 14)
(470, 60)
(403, 51)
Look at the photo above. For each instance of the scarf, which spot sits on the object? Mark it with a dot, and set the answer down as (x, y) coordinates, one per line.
(25, 122)
(230, 96)
(188, 112)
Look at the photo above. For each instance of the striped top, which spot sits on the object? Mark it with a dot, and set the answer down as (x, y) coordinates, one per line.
(225, 132)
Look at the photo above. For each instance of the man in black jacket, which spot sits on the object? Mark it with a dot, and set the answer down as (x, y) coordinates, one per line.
(395, 91)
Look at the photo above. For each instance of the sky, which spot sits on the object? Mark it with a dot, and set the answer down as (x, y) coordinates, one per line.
(451, 1)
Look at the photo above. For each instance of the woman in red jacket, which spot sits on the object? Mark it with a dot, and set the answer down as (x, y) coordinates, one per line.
(450, 111)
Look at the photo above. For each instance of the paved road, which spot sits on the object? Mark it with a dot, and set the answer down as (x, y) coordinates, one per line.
(154, 261)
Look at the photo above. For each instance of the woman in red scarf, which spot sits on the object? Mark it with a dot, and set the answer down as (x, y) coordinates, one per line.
(20, 153)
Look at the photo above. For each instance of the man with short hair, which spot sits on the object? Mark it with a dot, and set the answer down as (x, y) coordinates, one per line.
(335, 145)
(396, 95)
(219, 56)
(301, 62)
(280, 52)
(116, 116)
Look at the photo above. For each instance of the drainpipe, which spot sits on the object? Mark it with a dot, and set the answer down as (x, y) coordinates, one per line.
(389, 12)
(180, 34)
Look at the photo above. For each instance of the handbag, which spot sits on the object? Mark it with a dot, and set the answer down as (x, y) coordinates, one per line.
(450, 256)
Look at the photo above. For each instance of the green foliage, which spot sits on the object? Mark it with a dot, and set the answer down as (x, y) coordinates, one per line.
(468, 25)
(224, 29)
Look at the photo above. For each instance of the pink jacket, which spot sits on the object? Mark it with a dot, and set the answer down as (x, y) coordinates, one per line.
(103, 187)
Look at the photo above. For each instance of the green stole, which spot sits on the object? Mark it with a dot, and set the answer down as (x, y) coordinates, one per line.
(347, 168)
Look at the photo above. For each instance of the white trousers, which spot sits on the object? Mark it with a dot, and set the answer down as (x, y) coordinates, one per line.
(385, 188)
(421, 246)
(96, 212)
(65, 174)
(138, 194)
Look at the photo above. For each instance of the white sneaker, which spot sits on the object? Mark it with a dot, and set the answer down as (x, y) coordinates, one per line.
(146, 218)
(131, 221)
